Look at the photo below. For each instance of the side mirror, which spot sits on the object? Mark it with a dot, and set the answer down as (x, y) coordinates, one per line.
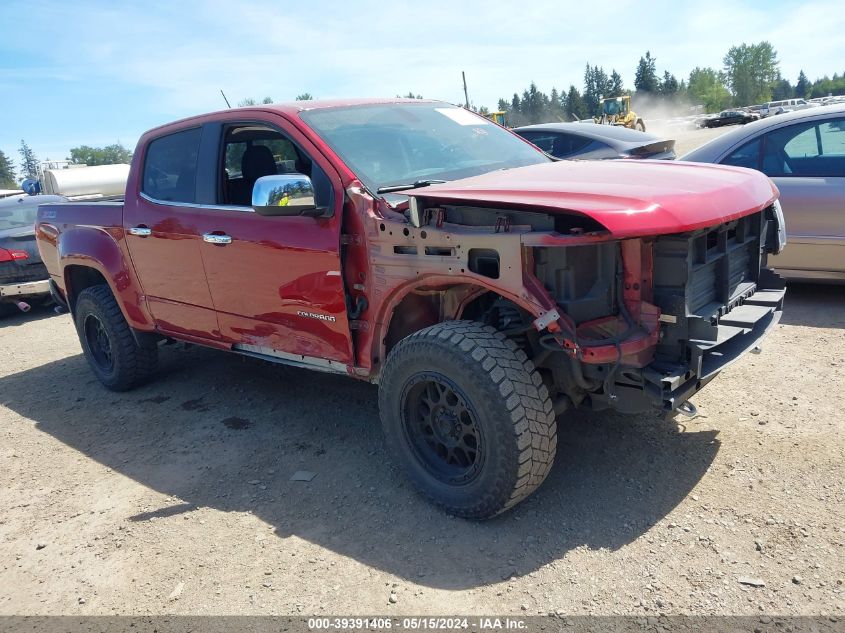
(285, 194)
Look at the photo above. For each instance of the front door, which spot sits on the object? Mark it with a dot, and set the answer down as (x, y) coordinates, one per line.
(807, 163)
(164, 238)
(276, 281)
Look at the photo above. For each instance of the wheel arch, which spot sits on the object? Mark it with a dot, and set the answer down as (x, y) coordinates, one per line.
(91, 256)
(78, 277)
(429, 300)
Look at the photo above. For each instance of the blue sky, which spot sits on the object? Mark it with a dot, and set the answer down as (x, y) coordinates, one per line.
(95, 72)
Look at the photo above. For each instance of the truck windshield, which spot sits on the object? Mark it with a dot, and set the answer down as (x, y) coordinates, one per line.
(398, 143)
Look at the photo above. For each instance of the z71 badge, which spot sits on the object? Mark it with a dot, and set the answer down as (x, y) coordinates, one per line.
(314, 315)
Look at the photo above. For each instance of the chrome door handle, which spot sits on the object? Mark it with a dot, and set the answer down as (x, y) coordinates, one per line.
(213, 238)
(140, 231)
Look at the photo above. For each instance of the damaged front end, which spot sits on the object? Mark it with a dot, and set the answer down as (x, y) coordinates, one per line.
(682, 308)
(632, 324)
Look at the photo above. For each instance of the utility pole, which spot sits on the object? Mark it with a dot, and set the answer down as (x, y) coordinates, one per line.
(466, 96)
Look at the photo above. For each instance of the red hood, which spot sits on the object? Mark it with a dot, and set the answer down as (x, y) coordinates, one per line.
(629, 197)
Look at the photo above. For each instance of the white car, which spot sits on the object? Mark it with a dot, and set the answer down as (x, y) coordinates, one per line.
(785, 105)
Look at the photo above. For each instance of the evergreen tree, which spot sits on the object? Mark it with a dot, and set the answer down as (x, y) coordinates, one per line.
(555, 110)
(782, 89)
(645, 79)
(515, 117)
(596, 85)
(29, 162)
(575, 108)
(803, 85)
(534, 104)
(617, 89)
(7, 173)
(669, 85)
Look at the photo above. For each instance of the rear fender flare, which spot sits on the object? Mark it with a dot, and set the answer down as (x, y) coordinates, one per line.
(96, 248)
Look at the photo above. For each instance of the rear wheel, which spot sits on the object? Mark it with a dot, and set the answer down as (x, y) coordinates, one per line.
(468, 417)
(639, 126)
(107, 342)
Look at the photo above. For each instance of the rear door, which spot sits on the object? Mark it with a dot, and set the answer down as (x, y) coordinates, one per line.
(163, 235)
(275, 281)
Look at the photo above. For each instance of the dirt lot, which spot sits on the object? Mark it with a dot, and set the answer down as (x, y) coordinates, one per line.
(686, 139)
(177, 498)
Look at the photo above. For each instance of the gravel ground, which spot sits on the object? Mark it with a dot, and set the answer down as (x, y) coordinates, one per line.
(176, 497)
(687, 139)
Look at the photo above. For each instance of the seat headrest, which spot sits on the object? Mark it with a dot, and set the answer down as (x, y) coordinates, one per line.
(257, 161)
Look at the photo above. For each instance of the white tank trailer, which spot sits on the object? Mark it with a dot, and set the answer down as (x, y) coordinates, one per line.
(99, 181)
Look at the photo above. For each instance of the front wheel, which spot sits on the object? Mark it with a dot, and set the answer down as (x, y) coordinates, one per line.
(468, 417)
(640, 126)
(112, 352)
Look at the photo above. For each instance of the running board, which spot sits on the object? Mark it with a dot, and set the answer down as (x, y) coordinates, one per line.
(295, 360)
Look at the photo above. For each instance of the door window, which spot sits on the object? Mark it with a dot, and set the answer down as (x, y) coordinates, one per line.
(568, 144)
(543, 140)
(170, 167)
(746, 156)
(250, 152)
(802, 145)
(813, 149)
(556, 144)
(832, 135)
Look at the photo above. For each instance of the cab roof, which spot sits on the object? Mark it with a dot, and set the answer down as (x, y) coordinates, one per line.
(293, 108)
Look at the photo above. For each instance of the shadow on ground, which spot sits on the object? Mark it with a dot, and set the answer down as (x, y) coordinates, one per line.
(12, 317)
(227, 433)
(815, 305)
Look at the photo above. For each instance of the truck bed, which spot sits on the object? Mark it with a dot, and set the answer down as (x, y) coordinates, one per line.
(78, 225)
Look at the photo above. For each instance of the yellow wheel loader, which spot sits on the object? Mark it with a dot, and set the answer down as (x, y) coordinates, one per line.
(617, 111)
(500, 117)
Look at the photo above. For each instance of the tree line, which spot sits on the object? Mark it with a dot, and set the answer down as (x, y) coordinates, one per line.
(750, 75)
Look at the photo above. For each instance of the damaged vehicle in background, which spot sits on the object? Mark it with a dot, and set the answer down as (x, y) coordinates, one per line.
(483, 286)
(596, 142)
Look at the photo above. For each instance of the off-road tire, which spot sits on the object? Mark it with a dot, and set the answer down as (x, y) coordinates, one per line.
(639, 126)
(131, 364)
(515, 414)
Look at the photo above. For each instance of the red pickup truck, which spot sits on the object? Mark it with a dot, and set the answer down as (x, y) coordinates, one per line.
(484, 286)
